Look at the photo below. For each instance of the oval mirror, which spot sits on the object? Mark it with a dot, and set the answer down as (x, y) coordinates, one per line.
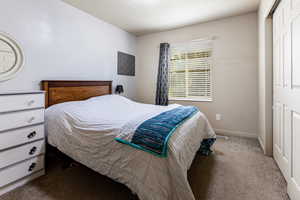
(11, 57)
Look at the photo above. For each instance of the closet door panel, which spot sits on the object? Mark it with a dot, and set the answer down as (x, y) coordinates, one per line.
(295, 52)
(287, 59)
(283, 83)
(294, 182)
(277, 128)
(287, 122)
(289, 94)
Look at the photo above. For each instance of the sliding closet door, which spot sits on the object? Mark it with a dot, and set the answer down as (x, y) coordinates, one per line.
(281, 84)
(286, 88)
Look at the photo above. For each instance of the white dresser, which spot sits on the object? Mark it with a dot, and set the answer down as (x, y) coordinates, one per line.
(22, 138)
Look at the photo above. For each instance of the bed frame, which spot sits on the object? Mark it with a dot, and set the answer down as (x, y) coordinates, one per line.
(59, 91)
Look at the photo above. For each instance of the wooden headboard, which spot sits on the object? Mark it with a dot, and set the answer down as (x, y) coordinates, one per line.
(63, 91)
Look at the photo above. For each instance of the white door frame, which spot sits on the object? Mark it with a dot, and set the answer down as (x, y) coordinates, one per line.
(269, 86)
(267, 144)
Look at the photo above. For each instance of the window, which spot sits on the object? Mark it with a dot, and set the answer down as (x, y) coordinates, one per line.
(190, 71)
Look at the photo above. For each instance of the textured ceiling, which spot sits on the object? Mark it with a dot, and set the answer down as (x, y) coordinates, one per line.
(147, 16)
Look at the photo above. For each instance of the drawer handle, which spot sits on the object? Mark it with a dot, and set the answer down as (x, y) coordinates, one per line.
(31, 120)
(30, 102)
(32, 151)
(31, 167)
(31, 135)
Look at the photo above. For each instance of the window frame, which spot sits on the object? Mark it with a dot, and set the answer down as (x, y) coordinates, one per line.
(198, 99)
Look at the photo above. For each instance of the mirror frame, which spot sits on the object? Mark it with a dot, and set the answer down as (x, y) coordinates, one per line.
(19, 57)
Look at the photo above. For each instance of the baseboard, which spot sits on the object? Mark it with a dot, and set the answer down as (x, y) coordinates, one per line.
(235, 133)
(262, 144)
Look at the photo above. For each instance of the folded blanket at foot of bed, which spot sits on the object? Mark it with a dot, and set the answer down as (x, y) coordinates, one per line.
(153, 134)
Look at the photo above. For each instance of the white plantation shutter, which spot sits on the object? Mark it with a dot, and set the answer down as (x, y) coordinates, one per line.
(190, 71)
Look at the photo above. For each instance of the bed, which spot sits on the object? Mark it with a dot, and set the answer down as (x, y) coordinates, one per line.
(83, 119)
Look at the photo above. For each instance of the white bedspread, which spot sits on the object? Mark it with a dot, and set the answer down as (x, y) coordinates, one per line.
(85, 131)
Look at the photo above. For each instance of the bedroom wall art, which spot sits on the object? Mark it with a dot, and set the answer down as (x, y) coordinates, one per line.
(126, 64)
(11, 57)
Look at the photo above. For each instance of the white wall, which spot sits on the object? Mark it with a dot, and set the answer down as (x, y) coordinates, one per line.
(265, 75)
(235, 75)
(62, 42)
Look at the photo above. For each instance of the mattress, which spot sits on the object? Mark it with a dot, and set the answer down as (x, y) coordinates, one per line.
(86, 131)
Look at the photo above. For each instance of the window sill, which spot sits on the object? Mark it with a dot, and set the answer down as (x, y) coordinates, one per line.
(186, 99)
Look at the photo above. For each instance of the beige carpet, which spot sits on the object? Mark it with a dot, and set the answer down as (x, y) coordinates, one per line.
(237, 171)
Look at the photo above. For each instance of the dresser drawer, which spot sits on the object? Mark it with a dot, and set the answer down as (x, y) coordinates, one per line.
(21, 136)
(15, 172)
(21, 119)
(21, 102)
(11, 156)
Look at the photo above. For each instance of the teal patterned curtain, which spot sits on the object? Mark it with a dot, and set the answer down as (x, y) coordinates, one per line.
(162, 76)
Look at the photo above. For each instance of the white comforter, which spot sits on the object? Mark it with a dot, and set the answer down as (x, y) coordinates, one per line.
(85, 131)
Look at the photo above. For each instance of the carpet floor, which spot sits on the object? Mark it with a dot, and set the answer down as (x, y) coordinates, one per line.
(237, 170)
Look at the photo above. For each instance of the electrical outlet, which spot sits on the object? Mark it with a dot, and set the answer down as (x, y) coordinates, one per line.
(218, 117)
